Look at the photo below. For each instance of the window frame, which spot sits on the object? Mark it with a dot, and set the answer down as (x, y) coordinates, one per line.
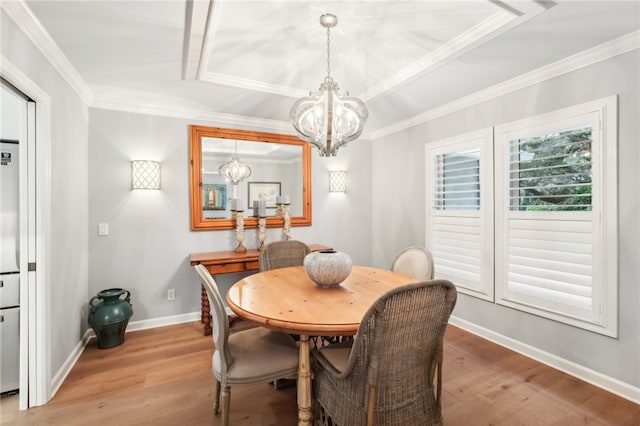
(602, 316)
(483, 288)
(601, 114)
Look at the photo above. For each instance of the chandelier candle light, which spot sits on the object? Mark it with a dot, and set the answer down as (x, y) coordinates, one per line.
(325, 118)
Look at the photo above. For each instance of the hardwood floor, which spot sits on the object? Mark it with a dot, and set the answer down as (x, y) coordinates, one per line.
(163, 377)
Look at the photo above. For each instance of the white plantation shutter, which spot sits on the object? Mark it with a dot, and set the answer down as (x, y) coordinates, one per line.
(550, 263)
(459, 210)
(554, 203)
(549, 190)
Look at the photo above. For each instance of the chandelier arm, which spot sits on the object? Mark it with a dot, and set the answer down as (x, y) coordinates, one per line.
(321, 148)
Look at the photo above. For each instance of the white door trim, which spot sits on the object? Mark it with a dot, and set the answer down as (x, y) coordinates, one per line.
(34, 309)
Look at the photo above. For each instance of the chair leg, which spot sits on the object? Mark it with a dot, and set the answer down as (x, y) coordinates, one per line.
(226, 405)
(216, 397)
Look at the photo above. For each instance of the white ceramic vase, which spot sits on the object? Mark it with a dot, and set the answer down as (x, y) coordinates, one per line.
(327, 268)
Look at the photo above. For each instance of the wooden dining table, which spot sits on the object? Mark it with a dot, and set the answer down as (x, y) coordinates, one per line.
(287, 300)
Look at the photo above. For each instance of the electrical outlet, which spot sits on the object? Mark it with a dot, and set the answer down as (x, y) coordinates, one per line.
(171, 294)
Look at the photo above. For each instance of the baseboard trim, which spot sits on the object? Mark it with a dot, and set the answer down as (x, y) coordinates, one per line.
(610, 384)
(163, 321)
(73, 357)
(68, 364)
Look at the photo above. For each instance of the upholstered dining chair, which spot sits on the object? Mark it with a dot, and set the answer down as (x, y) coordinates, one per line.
(386, 376)
(414, 261)
(257, 355)
(281, 254)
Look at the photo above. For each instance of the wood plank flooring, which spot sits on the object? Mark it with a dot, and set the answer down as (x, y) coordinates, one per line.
(163, 376)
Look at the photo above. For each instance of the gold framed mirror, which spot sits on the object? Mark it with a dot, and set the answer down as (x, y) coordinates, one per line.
(280, 167)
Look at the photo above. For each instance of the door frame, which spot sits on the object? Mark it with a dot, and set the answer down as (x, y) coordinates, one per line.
(34, 306)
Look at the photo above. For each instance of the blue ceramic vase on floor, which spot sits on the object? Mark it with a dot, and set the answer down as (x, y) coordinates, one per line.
(109, 315)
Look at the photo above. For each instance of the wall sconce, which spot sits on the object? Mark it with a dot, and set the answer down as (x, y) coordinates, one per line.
(337, 181)
(145, 174)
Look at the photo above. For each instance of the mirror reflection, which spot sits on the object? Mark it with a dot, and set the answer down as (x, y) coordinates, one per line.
(252, 172)
(275, 173)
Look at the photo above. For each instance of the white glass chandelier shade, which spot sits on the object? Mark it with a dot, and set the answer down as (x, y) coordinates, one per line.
(325, 118)
(234, 171)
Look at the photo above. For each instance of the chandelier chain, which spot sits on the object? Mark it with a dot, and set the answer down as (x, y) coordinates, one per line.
(329, 53)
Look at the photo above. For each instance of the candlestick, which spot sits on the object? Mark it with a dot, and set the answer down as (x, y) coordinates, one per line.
(240, 231)
(286, 230)
(262, 231)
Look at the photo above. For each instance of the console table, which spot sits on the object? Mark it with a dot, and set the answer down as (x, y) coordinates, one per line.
(227, 262)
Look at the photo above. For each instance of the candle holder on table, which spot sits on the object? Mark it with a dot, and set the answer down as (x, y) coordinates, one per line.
(239, 216)
(262, 231)
(286, 214)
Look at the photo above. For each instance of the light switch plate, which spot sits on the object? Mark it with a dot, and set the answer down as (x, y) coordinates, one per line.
(103, 229)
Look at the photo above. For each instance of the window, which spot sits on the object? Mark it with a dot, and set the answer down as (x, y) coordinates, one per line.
(460, 211)
(551, 172)
(554, 213)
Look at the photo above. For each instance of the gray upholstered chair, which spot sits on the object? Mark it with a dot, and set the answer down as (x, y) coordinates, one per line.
(257, 355)
(414, 261)
(281, 254)
(386, 376)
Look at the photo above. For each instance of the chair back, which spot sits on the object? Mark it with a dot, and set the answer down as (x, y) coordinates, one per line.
(398, 348)
(281, 254)
(414, 261)
(220, 323)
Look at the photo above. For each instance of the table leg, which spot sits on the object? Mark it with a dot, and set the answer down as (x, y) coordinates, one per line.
(304, 383)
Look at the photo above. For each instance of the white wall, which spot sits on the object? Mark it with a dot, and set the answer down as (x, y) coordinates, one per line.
(66, 182)
(150, 238)
(402, 155)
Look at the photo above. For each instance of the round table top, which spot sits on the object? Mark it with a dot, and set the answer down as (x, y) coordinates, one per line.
(287, 300)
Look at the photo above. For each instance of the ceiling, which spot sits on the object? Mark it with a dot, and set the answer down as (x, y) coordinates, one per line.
(245, 62)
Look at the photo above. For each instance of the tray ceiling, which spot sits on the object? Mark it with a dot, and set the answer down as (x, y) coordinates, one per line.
(247, 61)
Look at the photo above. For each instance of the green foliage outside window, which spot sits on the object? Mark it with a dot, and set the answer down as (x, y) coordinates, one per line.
(552, 172)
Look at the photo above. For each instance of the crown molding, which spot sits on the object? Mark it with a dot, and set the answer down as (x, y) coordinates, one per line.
(27, 22)
(219, 118)
(583, 59)
(468, 40)
(245, 83)
(196, 15)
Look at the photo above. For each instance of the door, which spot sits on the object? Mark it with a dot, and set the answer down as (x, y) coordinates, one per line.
(14, 114)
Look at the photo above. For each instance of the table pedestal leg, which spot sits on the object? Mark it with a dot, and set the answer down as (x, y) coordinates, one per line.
(304, 383)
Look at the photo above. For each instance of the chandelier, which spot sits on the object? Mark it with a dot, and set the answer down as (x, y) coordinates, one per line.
(325, 118)
(234, 171)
